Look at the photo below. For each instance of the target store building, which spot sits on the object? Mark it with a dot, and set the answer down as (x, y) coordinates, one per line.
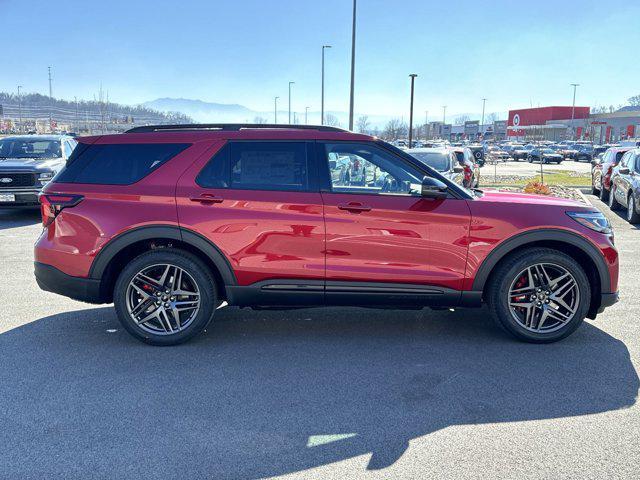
(543, 123)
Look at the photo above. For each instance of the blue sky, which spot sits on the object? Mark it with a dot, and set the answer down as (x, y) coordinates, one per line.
(515, 53)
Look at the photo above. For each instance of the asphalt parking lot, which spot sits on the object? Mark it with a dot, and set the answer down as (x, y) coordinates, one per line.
(524, 168)
(326, 393)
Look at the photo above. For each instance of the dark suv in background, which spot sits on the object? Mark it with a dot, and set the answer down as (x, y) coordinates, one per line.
(168, 222)
(27, 163)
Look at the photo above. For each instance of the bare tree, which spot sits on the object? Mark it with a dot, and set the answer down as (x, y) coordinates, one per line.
(461, 119)
(395, 129)
(362, 124)
(331, 120)
(492, 117)
(634, 101)
(260, 120)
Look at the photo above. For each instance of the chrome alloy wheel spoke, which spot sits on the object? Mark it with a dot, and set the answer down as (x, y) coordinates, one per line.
(543, 297)
(163, 299)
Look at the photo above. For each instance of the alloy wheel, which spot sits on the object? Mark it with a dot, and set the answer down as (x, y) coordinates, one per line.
(543, 297)
(163, 299)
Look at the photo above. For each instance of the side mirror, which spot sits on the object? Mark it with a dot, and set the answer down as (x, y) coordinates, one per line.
(458, 169)
(624, 171)
(595, 161)
(433, 188)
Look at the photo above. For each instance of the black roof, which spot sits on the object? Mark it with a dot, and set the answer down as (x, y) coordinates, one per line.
(230, 127)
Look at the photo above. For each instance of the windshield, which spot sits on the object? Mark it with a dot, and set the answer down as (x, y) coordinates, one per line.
(29, 148)
(437, 161)
(547, 150)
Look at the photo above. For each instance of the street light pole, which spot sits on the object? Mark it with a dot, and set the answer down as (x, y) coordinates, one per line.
(306, 115)
(484, 101)
(413, 78)
(444, 119)
(322, 93)
(275, 110)
(353, 66)
(50, 99)
(426, 124)
(573, 107)
(290, 83)
(19, 108)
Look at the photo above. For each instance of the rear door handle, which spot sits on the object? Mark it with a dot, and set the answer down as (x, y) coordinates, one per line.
(354, 207)
(207, 198)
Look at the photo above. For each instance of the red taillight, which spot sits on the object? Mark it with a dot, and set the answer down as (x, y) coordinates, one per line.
(467, 173)
(52, 204)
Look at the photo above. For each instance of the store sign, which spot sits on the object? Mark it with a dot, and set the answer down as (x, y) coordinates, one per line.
(471, 128)
(516, 119)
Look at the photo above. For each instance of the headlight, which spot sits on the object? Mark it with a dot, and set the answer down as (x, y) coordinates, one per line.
(45, 177)
(593, 220)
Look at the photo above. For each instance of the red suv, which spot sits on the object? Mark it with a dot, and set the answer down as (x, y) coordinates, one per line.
(169, 222)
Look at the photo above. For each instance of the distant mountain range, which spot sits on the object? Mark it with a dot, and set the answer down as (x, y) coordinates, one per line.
(209, 112)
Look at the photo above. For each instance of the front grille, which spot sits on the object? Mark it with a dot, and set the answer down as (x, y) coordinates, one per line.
(12, 180)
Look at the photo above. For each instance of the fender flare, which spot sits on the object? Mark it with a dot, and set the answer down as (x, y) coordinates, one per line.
(151, 232)
(522, 239)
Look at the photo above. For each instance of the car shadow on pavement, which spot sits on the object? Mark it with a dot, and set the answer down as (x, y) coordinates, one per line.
(269, 393)
(18, 217)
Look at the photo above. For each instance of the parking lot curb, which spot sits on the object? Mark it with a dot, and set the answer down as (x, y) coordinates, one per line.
(582, 196)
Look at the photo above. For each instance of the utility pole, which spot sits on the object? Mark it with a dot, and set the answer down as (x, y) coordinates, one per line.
(426, 124)
(50, 100)
(19, 109)
(306, 115)
(353, 66)
(75, 99)
(290, 83)
(275, 110)
(484, 101)
(573, 107)
(444, 119)
(413, 78)
(322, 92)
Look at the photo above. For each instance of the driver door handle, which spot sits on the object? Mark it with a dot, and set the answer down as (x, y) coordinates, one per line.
(207, 198)
(354, 207)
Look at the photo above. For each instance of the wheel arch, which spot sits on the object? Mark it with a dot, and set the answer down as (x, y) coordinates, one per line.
(125, 246)
(572, 244)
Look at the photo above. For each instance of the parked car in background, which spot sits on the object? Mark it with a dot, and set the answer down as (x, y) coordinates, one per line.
(478, 153)
(442, 160)
(544, 155)
(27, 163)
(625, 185)
(585, 153)
(497, 154)
(601, 171)
(169, 221)
(569, 152)
(468, 162)
(522, 152)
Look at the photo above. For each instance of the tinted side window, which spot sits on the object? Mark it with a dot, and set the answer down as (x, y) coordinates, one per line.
(121, 164)
(258, 166)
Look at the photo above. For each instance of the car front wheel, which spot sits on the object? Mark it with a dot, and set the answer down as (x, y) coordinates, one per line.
(539, 295)
(632, 214)
(165, 296)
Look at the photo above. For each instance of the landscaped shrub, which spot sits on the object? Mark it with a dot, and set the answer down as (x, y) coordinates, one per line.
(538, 188)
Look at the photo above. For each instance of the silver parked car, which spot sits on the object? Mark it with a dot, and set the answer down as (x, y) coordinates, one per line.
(443, 160)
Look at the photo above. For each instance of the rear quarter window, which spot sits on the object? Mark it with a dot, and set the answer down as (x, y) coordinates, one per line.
(117, 164)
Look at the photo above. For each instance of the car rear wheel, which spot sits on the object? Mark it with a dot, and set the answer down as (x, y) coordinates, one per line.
(539, 295)
(632, 215)
(613, 203)
(165, 297)
(604, 194)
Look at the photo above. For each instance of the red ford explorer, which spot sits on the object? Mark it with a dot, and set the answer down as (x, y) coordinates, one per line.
(167, 222)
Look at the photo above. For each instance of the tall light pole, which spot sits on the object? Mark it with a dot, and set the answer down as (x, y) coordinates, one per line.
(353, 65)
(275, 110)
(426, 124)
(19, 108)
(484, 101)
(573, 107)
(306, 115)
(290, 83)
(322, 93)
(50, 99)
(413, 78)
(444, 119)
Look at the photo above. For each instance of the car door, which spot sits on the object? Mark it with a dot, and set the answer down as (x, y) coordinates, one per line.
(620, 177)
(258, 203)
(384, 234)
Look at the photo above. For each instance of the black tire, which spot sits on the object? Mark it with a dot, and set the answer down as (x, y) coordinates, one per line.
(604, 195)
(613, 203)
(505, 274)
(594, 191)
(189, 263)
(632, 214)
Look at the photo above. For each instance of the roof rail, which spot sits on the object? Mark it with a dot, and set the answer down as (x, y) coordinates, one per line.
(230, 127)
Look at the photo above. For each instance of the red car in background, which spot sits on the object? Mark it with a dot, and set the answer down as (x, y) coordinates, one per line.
(601, 171)
(167, 222)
